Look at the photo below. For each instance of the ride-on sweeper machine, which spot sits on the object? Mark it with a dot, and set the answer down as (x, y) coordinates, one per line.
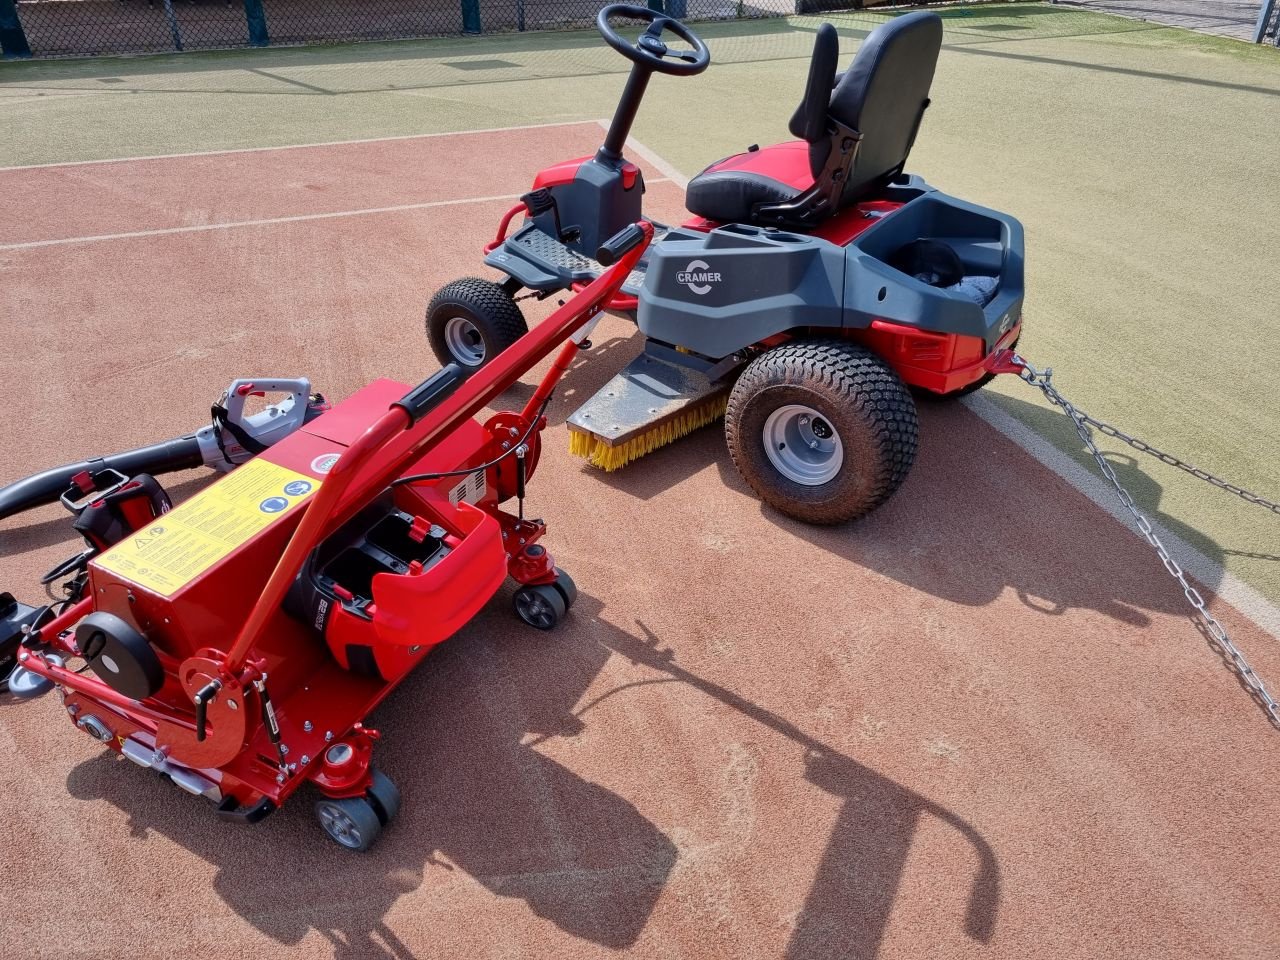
(237, 641)
(813, 285)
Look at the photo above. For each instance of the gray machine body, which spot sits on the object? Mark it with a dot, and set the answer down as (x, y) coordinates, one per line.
(716, 292)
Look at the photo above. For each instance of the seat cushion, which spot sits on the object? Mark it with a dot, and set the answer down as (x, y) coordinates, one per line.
(729, 189)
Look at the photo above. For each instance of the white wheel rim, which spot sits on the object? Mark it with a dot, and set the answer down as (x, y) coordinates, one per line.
(340, 826)
(463, 339)
(803, 445)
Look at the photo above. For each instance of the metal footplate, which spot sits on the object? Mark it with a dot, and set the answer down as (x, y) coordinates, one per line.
(648, 405)
(541, 262)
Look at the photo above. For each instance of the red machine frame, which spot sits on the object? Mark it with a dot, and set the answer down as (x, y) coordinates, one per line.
(941, 363)
(353, 453)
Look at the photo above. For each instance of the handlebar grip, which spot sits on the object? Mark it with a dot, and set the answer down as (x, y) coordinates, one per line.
(431, 392)
(611, 250)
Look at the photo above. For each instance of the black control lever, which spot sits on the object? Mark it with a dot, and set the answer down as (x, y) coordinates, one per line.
(202, 698)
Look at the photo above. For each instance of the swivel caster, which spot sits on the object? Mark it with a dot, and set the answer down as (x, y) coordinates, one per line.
(568, 589)
(356, 822)
(540, 605)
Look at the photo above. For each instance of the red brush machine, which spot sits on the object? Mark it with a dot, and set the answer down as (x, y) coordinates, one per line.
(236, 642)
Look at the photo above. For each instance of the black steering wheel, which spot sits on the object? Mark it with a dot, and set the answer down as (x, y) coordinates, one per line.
(649, 50)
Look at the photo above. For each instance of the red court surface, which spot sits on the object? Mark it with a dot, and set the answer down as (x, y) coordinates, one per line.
(977, 724)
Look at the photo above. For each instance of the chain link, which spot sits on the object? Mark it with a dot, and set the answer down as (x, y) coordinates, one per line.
(1173, 461)
(1214, 630)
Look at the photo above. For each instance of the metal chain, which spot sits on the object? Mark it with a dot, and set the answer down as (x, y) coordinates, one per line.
(1173, 461)
(1216, 632)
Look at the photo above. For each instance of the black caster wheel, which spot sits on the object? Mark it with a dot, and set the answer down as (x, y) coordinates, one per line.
(384, 797)
(568, 589)
(350, 822)
(540, 605)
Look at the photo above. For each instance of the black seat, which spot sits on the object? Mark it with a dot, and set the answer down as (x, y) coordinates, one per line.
(859, 128)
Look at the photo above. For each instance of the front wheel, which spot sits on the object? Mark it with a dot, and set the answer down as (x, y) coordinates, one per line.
(470, 321)
(822, 430)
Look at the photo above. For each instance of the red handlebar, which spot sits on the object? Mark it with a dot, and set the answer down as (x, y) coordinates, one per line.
(337, 499)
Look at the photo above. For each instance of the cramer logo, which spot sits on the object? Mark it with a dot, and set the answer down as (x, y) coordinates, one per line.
(698, 277)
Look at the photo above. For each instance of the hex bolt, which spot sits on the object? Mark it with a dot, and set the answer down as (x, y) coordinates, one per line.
(284, 748)
(306, 725)
(813, 444)
(305, 760)
(328, 735)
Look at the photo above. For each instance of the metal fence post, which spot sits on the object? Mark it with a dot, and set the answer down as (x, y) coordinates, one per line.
(13, 41)
(256, 18)
(471, 17)
(1264, 19)
(173, 25)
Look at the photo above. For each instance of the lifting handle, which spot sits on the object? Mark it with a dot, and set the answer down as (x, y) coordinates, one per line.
(430, 392)
(202, 698)
(611, 250)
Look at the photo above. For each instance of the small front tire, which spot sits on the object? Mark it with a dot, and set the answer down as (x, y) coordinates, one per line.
(351, 822)
(384, 797)
(540, 605)
(470, 321)
(568, 589)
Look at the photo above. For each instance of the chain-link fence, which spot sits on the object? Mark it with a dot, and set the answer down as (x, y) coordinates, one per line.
(60, 28)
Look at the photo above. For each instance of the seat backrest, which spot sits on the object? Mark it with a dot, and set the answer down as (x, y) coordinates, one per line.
(883, 96)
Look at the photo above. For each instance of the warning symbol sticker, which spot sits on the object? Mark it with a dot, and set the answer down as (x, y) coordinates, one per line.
(198, 533)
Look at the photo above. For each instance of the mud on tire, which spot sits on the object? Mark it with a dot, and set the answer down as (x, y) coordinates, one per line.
(861, 398)
(470, 321)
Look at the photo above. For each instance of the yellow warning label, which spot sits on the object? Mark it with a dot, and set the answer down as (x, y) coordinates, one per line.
(188, 540)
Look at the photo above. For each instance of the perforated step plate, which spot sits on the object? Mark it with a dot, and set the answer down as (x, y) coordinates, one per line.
(550, 255)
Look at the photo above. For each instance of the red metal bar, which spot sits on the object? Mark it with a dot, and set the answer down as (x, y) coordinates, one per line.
(567, 353)
(91, 687)
(502, 227)
(311, 529)
(338, 497)
(49, 633)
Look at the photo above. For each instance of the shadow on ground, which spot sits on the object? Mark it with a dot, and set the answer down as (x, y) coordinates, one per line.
(481, 801)
(976, 516)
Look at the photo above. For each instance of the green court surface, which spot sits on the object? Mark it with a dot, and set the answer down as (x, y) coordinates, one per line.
(1142, 161)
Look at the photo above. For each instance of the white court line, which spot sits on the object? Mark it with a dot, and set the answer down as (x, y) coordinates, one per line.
(264, 222)
(659, 164)
(1208, 571)
(295, 146)
(299, 218)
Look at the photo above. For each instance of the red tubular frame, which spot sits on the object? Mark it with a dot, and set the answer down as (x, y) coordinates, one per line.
(519, 208)
(339, 497)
